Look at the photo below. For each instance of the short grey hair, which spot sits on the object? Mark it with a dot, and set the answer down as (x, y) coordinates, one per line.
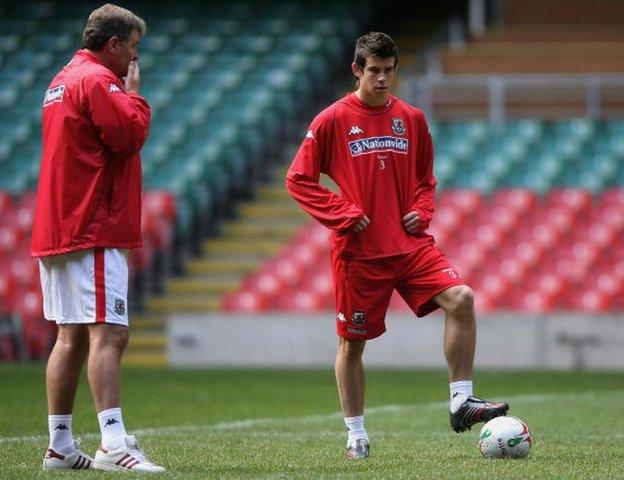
(110, 21)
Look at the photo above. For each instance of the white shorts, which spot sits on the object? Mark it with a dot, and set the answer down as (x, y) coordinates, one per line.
(89, 286)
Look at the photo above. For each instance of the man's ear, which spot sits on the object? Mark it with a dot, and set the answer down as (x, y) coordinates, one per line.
(357, 71)
(112, 44)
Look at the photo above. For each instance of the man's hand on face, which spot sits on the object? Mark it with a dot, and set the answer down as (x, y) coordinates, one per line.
(133, 79)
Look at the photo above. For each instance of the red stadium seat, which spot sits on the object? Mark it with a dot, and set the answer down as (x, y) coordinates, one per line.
(23, 219)
(25, 272)
(518, 199)
(160, 203)
(9, 240)
(488, 236)
(613, 216)
(484, 303)
(537, 302)
(493, 285)
(560, 217)
(245, 301)
(7, 292)
(6, 203)
(612, 197)
(303, 301)
(550, 284)
(464, 200)
(529, 253)
(592, 301)
(576, 200)
(447, 219)
(288, 271)
(28, 200)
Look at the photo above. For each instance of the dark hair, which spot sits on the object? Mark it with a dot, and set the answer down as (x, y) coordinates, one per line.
(110, 21)
(374, 44)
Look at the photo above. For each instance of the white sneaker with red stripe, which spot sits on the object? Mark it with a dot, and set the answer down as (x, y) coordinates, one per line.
(127, 458)
(76, 460)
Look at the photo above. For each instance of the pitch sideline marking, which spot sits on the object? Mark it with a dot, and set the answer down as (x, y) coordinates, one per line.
(258, 422)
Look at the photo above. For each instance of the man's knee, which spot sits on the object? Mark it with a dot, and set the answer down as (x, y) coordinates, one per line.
(108, 336)
(460, 300)
(72, 337)
(350, 349)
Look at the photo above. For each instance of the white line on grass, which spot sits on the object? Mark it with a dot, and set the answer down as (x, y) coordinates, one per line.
(259, 422)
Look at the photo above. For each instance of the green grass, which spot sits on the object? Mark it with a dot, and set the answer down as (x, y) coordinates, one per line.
(285, 424)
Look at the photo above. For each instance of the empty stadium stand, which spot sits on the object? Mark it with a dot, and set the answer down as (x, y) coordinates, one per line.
(544, 59)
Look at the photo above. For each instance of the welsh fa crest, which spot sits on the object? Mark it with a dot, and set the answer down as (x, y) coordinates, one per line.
(358, 317)
(397, 126)
(120, 306)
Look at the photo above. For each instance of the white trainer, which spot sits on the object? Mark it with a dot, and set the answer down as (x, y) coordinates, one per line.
(129, 457)
(76, 460)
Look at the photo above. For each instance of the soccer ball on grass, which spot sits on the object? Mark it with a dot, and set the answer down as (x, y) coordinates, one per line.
(505, 437)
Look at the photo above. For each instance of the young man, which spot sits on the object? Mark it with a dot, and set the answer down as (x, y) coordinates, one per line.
(378, 150)
(88, 214)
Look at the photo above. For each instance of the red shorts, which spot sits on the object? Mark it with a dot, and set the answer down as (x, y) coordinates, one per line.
(363, 288)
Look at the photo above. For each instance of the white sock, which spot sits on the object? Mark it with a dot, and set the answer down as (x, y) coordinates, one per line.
(112, 428)
(355, 427)
(460, 391)
(61, 440)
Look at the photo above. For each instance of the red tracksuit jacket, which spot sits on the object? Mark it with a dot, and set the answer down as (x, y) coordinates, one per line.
(89, 192)
(381, 158)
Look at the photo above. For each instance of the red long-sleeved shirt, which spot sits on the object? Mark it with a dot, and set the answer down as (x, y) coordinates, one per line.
(381, 158)
(89, 192)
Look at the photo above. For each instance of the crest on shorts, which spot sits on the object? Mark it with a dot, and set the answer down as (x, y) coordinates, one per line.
(358, 317)
(451, 272)
(120, 306)
(397, 126)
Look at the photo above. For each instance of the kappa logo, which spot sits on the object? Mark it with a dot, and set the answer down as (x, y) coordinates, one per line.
(53, 95)
(110, 421)
(310, 135)
(341, 317)
(355, 130)
(61, 426)
(114, 88)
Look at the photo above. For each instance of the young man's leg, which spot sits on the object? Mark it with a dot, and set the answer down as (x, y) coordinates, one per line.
(460, 335)
(350, 379)
(428, 282)
(350, 376)
(460, 331)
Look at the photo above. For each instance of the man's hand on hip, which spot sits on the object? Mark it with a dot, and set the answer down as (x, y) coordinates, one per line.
(360, 225)
(411, 222)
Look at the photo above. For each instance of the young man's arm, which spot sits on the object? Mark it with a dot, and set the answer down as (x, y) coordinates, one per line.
(302, 181)
(122, 119)
(421, 213)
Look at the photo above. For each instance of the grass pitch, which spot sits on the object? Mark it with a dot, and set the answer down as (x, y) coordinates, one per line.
(285, 424)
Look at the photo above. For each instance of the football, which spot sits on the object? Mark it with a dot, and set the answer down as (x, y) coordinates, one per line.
(505, 437)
